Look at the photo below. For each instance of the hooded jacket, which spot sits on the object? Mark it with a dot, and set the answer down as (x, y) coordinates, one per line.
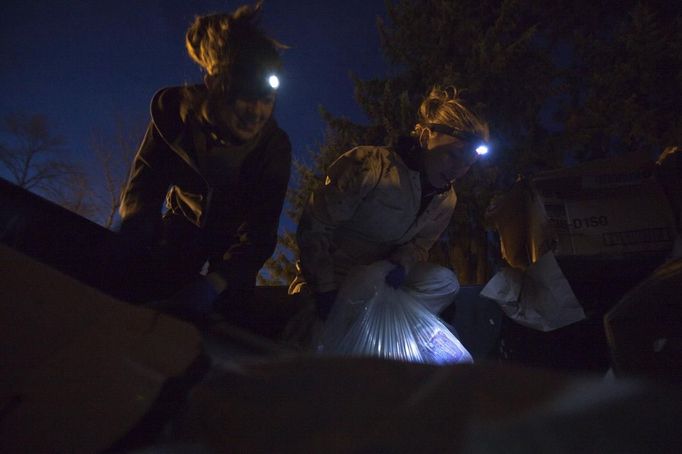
(367, 210)
(237, 211)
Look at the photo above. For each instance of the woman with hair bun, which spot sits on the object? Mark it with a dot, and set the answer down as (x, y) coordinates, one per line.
(391, 203)
(214, 153)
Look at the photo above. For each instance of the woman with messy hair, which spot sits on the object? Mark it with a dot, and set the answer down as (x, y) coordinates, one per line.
(214, 153)
(391, 203)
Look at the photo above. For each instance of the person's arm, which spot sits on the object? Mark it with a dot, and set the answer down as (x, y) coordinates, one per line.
(143, 196)
(256, 236)
(349, 179)
(417, 249)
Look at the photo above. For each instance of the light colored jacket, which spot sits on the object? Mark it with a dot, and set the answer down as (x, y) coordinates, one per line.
(368, 210)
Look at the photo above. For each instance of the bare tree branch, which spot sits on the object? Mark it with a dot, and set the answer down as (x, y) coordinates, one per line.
(30, 154)
(114, 155)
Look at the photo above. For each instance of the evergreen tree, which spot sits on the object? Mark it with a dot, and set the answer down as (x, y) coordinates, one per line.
(629, 94)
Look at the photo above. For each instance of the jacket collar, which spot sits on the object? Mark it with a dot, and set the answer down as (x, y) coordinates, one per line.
(171, 116)
(177, 122)
(410, 151)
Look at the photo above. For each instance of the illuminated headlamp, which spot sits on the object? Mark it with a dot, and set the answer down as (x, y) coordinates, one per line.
(253, 82)
(482, 149)
(478, 145)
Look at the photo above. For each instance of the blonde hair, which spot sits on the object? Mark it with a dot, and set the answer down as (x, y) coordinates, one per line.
(218, 42)
(443, 106)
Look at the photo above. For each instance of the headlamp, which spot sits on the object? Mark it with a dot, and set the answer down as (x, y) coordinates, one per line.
(475, 143)
(252, 82)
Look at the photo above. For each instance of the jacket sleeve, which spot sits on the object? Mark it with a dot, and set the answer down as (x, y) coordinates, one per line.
(143, 196)
(256, 237)
(417, 249)
(349, 179)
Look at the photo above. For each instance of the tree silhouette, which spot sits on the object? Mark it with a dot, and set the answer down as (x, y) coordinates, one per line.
(28, 154)
(114, 154)
(33, 157)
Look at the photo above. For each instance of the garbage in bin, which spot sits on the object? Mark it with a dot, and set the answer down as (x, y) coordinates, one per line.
(541, 298)
(369, 318)
(532, 290)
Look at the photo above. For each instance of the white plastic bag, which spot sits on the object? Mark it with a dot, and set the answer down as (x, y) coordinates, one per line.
(540, 298)
(370, 318)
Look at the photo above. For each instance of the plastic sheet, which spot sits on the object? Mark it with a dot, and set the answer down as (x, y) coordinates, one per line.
(540, 298)
(369, 318)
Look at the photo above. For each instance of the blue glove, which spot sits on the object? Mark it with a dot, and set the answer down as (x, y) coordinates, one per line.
(324, 302)
(194, 301)
(396, 277)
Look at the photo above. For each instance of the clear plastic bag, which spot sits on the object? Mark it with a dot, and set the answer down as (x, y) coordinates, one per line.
(370, 318)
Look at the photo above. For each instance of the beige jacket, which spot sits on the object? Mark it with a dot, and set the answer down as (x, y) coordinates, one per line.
(367, 211)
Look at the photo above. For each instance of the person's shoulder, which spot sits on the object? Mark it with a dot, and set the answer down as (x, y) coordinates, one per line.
(171, 106)
(168, 101)
(362, 160)
(368, 152)
(377, 158)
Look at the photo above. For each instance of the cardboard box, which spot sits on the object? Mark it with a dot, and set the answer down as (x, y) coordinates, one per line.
(78, 369)
(612, 207)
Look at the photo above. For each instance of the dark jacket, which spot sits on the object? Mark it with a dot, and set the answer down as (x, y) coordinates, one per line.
(237, 220)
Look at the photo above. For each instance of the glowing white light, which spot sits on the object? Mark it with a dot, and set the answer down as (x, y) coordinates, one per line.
(481, 150)
(273, 81)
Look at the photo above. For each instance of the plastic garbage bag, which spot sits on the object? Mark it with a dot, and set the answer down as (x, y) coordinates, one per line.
(370, 318)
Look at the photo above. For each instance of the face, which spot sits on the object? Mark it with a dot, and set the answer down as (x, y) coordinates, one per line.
(245, 118)
(446, 159)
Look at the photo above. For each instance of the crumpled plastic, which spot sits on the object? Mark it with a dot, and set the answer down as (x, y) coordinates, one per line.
(532, 290)
(370, 318)
(540, 298)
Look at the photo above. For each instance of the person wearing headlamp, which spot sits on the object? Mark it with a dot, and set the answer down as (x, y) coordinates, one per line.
(215, 154)
(391, 203)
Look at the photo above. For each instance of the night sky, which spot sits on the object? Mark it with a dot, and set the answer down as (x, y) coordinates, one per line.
(86, 63)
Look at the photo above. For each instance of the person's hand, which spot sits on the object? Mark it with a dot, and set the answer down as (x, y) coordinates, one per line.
(324, 302)
(396, 277)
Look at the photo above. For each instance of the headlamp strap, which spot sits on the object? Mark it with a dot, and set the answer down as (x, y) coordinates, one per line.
(466, 136)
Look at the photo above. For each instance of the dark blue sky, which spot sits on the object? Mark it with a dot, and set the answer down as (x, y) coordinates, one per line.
(86, 63)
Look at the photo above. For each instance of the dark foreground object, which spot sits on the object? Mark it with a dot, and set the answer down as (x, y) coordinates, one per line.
(83, 372)
(79, 369)
(54, 235)
(371, 405)
(645, 329)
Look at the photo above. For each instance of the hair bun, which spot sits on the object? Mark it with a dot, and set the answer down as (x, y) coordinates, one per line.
(216, 41)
